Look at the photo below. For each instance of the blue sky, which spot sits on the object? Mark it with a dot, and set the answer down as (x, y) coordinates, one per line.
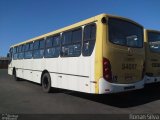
(24, 19)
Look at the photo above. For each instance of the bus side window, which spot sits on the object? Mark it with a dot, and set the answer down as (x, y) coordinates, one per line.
(15, 54)
(38, 49)
(71, 43)
(20, 50)
(89, 39)
(66, 42)
(77, 42)
(52, 47)
(23, 51)
(28, 50)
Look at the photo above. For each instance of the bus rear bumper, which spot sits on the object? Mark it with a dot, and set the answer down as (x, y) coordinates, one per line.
(106, 87)
(149, 80)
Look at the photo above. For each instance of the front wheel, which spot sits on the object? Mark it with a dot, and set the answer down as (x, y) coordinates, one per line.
(15, 76)
(46, 83)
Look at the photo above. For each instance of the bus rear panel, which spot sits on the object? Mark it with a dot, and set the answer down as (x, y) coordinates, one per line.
(152, 48)
(123, 56)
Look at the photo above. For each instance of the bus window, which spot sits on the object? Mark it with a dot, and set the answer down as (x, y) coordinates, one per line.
(154, 41)
(28, 50)
(21, 53)
(23, 48)
(124, 33)
(49, 42)
(66, 38)
(36, 45)
(56, 40)
(15, 53)
(52, 47)
(77, 41)
(42, 44)
(89, 39)
(71, 43)
(20, 48)
(38, 49)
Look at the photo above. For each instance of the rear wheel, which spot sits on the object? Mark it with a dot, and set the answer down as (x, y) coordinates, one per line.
(46, 83)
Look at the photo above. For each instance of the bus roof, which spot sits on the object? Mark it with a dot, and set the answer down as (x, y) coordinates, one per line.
(146, 32)
(84, 22)
(151, 30)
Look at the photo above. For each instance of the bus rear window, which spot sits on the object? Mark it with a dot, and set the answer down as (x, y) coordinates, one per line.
(154, 41)
(125, 33)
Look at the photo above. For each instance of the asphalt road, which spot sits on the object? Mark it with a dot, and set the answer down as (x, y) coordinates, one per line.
(27, 97)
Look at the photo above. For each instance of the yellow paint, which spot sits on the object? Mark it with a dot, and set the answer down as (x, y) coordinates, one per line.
(90, 20)
(87, 21)
(151, 55)
(116, 54)
(98, 52)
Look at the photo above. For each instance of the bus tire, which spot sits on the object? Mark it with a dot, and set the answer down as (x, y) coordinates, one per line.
(46, 83)
(15, 76)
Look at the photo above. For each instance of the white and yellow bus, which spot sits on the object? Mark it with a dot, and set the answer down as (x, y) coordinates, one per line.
(100, 55)
(152, 63)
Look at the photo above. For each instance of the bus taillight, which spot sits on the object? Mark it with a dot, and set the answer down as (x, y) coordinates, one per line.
(107, 73)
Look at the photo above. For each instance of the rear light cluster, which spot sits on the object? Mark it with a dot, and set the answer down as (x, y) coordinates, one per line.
(107, 73)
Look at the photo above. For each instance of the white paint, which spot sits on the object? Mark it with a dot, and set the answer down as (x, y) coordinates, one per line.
(149, 80)
(115, 88)
(72, 73)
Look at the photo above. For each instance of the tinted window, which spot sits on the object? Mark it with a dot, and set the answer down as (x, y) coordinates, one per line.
(56, 41)
(15, 55)
(71, 47)
(39, 49)
(89, 39)
(77, 35)
(28, 50)
(42, 44)
(125, 33)
(49, 42)
(20, 48)
(14, 50)
(66, 38)
(38, 53)
(23, 48)
(28, 54)
(21, 53)
(30, 46)
(154, 41)
(52, 52)
(52, 47)
(87, 33)
(27, 47)
(36, 45)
